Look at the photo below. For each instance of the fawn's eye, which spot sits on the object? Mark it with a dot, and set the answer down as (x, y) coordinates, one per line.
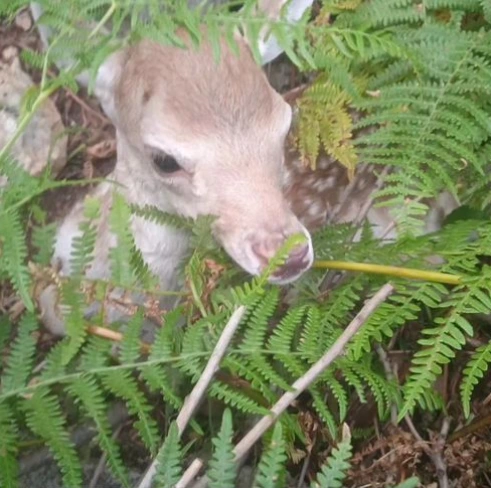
(165, 163)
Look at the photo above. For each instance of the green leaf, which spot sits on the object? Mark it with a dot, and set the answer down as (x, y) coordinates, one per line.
(271, 467)
(44, 418)
(223, 469)
(21, 359)
(334, 471)
(170, 458)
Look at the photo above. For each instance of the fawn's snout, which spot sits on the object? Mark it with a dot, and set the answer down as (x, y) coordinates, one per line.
(256, 226)
(297, 262)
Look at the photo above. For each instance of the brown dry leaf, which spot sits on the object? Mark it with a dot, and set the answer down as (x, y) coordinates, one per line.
(103, 150)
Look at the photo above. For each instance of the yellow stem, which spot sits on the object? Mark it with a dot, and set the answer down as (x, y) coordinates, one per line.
(412, 274)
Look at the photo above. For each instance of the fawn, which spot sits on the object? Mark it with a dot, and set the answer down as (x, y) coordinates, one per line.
(196, 137)
(193, 137)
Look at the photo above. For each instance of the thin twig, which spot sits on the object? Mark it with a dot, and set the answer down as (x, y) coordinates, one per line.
(243, 447)
(434, 454)
(194, 398)
(305, 467)
(190, 474)
(87, 107)
(389, 374)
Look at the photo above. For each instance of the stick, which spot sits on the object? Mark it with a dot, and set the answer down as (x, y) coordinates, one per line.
(311, 375)
(242, 448)
(194, 398)
(409, 273)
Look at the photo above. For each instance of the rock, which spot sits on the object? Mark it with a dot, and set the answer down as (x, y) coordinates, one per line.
(23, 20)
(43, 141)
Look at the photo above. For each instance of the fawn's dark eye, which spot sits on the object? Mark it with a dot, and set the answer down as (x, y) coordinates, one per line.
(165, 163)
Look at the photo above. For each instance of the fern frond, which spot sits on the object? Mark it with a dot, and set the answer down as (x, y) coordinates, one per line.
(170, 459)
(325, 123)
(324, 411)
(8, 447)
(43, 238)
(21, 358)
(83, 245)
(401, 307)
(223, 469)
(91, 397)
(412, 482)
(44, 418)
(13, 255)
(121, 255)
(121, 383)
(447, 337)
(157, 377)
(334, 471)
(270, 470)
(153, 214)
(131, 344)
(473, 372)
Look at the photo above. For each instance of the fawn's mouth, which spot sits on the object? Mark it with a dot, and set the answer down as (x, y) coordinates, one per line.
(294, 267)
(284, 276)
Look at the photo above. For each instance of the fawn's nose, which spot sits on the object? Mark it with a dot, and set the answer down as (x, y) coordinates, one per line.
(299, 260)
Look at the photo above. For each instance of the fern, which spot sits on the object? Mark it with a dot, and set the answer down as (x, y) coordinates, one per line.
(13, 255)
(394, 85)
(222, 470)
(269, 471)
(120, 383)
(91, 397)
(44, 418)
(325, 122)
(120, 255)
(169, 460)
(8, 447)
(334, 470)
(473, 372)
(21, 359)
(447, 337)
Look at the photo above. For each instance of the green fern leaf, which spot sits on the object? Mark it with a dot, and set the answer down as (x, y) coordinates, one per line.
(335, 469)
(121, 255)
(122, 384)
(223, 469)
(412, 482)
(83, 245)
(44, 418)
(271, 470)
(473, 372)
(447, 337)
(157, 377)
(131, 344)
(170, 458)
(8, 447)
(20, 362)
(13, 255)
(43, 238)
(88, 393)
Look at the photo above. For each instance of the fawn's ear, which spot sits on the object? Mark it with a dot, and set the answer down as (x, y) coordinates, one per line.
(289, 10)
(108, 76)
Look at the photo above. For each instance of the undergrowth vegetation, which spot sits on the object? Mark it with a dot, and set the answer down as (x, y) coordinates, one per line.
(419, 73)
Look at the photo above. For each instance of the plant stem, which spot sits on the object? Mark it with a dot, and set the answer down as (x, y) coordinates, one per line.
(412, 274)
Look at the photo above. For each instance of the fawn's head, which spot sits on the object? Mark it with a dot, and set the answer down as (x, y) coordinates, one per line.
(200, 137)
